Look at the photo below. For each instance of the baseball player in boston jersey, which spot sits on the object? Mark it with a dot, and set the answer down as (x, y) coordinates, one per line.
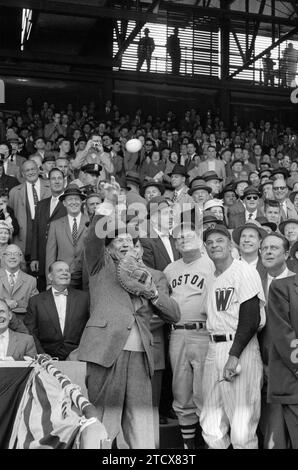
(233, 369)
(188, 278)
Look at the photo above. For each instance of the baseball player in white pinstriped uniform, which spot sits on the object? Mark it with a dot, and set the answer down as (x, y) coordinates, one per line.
(188, 278)
(235, 312)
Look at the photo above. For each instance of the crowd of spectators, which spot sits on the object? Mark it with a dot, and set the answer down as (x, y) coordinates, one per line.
(61, 170)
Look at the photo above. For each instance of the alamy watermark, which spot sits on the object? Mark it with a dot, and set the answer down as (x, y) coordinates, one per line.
(2, 92)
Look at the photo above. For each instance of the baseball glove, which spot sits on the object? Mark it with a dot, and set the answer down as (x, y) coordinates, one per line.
(135, 278)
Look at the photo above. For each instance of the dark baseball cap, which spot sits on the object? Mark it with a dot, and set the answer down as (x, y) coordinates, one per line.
(217, 229)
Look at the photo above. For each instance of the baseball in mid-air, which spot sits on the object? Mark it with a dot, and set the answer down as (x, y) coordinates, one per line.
(238, 369)
(133, 145)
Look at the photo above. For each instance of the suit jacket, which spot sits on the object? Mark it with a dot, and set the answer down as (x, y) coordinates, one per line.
(13, 170)
(41, 228)
(112, 312)
(20, 345)
(184, 198)
(236, 215)
(219, 168)
(42, 322)
(60, 244)
(17, 201)
(283, 326)
(156, 257)
(8, 182)
(291, 211)
(24, 288)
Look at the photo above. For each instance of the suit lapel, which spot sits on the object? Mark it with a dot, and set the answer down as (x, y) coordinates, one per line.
(70, 300)
(65, 221)
(51, 310)
(19, 282)
(4, 280)
(56, 210)
(12, 343)
(82, 224)
(163, 250)
(176, 253)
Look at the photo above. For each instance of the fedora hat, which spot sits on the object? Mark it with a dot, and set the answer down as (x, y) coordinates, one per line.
(197, 185)
(72, 190)
(178, 170)
(265, 223)
(236, 234)
(133, 177)
(250, 190)
(211, 175)
(285, 222)
(156, 184)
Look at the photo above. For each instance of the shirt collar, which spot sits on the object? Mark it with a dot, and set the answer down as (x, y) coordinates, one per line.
(5, 334)
(14, 274)
(280, 276)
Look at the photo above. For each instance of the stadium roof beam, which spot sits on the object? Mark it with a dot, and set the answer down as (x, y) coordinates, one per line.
(125, 44)
(79, 8)
(255, 32)
(268, 49)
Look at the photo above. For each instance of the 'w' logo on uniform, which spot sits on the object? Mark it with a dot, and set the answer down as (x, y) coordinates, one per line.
(223, 298)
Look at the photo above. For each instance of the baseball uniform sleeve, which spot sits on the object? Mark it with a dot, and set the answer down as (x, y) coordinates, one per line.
(249, 319)
(249, 286)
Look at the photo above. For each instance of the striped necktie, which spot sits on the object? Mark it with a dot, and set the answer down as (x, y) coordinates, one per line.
(74, 231)
(35, 197)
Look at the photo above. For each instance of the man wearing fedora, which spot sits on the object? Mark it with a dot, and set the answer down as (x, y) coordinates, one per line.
(214, 182)
(248, 238)
(250, 210)
(182, 201)
(66, 234)
(117, 344)
(151, 189)
(200, 192)
(146, 47)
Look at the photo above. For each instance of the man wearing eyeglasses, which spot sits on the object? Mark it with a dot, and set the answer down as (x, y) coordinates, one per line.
(280, 192)
(16, 287)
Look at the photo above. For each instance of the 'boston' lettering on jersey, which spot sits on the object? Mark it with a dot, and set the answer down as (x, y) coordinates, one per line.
(223, 298)
(186, 279)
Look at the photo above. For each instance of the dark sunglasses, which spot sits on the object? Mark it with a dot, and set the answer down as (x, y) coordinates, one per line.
(281, 188)
(252, 197)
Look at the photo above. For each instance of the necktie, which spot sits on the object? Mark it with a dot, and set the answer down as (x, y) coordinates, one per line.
(35, 197)
(175, 196)
(250, 216)
(63, 292)
(11, 281)
(74, 231)
(11, 158)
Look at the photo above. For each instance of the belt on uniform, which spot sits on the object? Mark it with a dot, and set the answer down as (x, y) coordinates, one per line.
(221, 338)
(199, 325)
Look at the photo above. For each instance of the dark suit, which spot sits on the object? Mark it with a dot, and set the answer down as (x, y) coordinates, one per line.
(8, 182)
(236, 215)
(40, 235)
(20, 345)
(271, 413)
(43, 323)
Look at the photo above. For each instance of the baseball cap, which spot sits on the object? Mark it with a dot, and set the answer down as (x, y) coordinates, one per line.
(217, 229)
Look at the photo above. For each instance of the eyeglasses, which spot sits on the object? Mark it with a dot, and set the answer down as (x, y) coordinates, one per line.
(279, 188)
(255, 198)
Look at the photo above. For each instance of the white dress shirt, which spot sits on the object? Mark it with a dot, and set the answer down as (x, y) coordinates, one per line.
(53, 204)
(253, 217)
(70, 220)
(60, 302)
(282, 275)
(10, 275)
(285, 208)
(167, 244)
(30, 196)
(4, 339)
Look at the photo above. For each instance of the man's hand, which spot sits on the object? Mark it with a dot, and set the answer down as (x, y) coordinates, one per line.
(11, 303)
(34, 266)
(229, 371)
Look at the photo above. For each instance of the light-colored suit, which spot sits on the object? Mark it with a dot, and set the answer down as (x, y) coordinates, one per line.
(17, 201)
(60, 244)
(20, 345)
(24, 288)
(219, 168)
(291, 211)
